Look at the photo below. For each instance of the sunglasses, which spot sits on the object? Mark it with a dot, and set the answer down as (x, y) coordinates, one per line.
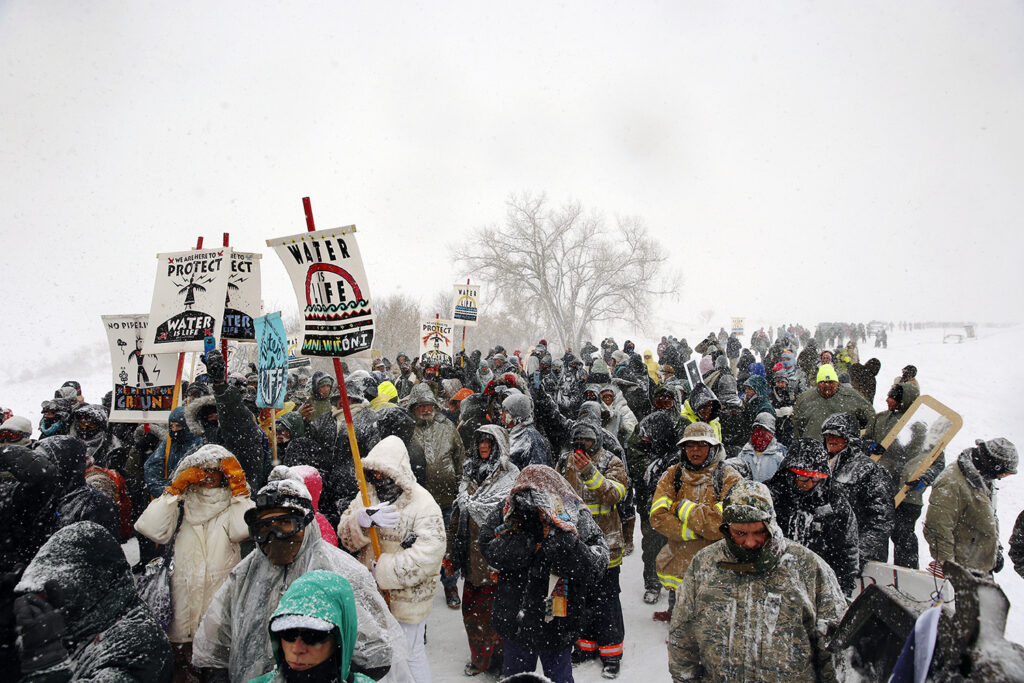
(308, 636)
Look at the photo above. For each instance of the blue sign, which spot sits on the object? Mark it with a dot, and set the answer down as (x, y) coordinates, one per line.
(271, 361)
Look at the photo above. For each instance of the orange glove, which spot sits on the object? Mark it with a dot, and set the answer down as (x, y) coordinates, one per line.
(236, 476)
(193, 475)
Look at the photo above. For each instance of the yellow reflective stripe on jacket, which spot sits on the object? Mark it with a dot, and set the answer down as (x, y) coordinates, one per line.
(669, 581)
(685, 508)
(718, 506)
(617, 561)
(598, 509)
(618, 487)
(663, 502)
(595, 481)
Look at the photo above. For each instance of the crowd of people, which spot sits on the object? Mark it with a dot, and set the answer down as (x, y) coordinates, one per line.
(756, 475)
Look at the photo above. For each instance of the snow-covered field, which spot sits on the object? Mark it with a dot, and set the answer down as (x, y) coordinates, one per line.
(974, 378)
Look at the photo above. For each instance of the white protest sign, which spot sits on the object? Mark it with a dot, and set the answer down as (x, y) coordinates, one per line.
(188, 300)
(465, 304)
(243, 297)
(332, 290)
(436, 342)
(143, 382)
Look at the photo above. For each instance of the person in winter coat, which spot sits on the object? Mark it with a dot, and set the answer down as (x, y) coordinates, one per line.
(814, 513)
(599, 478)
(862, 377)
(313, 632)
(961, 523)
(763, 453)
(323, 386)
(208, 497)
(412, 542)
(826, 398)
(78, 501)
(487, 477)
(723, 383)
(89, 423)
(233, 641)
(865, 484)
(651, 451)
(396, 421)
(733, 346)
(56, 419)
(755, 607)
(80, 616)
(183, 442)
(547, 549)
(443, 452)
(527, 445)
(687, 505)
(703, 406)
(224, 420)
(16, 431)
(783, 398)
(315, 484)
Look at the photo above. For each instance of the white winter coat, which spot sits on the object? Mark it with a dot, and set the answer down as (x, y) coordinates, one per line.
(409, 573)
(206, 549)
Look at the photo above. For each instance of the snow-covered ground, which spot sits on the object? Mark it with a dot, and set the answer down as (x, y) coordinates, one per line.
(974, 378)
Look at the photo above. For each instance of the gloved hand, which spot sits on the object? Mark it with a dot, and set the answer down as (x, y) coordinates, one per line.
(236, 476)
(558, 543)
(935, 569)
(384, 515)
(1000, 561)
(448, 567)
(193, 475)
(41, 624)
(875, 448)
(216, 368)
(306, 411)
(917, 484)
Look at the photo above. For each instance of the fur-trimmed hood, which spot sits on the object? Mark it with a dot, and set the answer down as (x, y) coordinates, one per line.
(193, 410)
(391, 458)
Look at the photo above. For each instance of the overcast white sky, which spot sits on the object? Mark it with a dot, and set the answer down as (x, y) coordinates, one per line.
(799, 160)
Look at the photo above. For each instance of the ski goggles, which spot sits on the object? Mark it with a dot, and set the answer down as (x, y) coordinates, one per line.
(10, 435)
(664, 402)
(308, 636)
(280, 527)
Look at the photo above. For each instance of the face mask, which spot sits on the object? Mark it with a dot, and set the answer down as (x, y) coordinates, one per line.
(761, 439)
(281, 552)
(387, 490)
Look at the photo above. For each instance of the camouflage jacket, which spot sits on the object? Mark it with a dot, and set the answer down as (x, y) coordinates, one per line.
(736, 625)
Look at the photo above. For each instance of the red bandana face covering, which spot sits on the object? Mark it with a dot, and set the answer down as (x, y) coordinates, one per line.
(761, 439)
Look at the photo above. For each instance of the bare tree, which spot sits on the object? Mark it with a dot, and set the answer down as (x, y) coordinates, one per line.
(567, 267)
(396, 325)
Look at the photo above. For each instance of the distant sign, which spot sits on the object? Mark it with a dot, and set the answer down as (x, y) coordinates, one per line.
(242, 302)
(143, 382)
(465, 304)
(437, 342)
(188, 300)
(271, 361)
(737, 326)
(332, 290)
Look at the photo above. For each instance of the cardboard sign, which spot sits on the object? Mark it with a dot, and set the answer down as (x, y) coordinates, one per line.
(737, 326)
(143, 382)
(271, 361)
(332, 290)
(188, 300)
(437, 342)
(242, 303)
(465, 304)
(693, 374)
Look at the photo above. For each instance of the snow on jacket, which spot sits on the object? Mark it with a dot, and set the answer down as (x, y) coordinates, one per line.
(687, 511)
(821, 519)
(411, 553)
(812, 409)
(233, 634)
(442, 448)
(109, 632)
(961, 523)
(700, 397)
(526, 445)
(485, 486)
(619, 406)
(532, 566)
(206, 548)
(332, 454)
(602, 485)
(315, 484)
(771, 626)
(763, 465)
(328, 597)
(183, 442)
(79, 502)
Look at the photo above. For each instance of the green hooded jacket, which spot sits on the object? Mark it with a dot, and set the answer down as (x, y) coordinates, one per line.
(327, 596)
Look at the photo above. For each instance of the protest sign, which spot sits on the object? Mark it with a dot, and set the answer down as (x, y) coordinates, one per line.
(465, 304)
(332, 290)
(143, 382)
(188, 300)
(436, 342)
(242, 303)
(271, 361)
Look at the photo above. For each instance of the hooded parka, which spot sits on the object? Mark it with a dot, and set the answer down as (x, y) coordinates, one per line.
(442, 448)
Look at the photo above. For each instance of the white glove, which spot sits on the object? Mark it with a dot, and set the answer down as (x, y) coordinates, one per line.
(384, 515)
(785, 411)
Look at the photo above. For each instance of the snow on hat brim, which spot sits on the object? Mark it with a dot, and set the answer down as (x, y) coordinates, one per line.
(827, 373)
(765, 421)
(285, 622)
